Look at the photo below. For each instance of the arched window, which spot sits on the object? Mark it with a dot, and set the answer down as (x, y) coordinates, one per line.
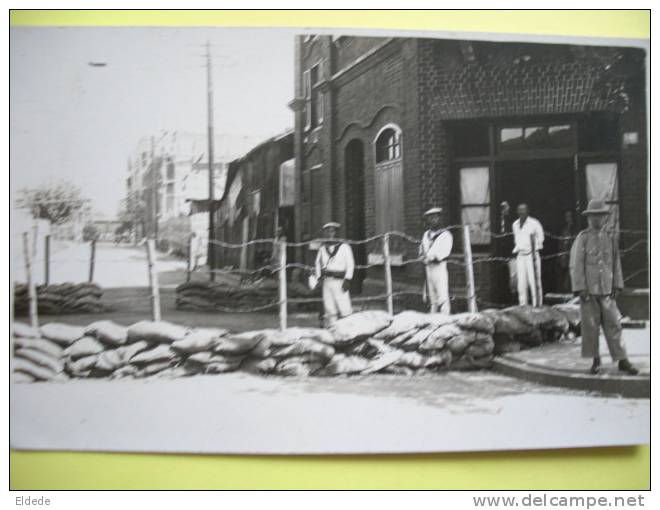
(388, 145)
(388, 180)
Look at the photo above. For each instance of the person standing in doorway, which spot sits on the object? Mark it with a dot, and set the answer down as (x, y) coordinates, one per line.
(567, 236)
(596, 277)
(334, 268)
(434, 250)
(528, 242)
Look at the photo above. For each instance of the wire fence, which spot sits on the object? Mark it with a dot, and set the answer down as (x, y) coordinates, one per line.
(279, 267)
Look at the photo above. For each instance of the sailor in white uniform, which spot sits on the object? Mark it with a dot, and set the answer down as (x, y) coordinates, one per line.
(434, 249)
(334, 268)
(528, 242)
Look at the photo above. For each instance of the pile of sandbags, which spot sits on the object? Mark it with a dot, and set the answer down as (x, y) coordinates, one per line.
(521, 327)
(237, 296)
(60, 298)
(364, 343)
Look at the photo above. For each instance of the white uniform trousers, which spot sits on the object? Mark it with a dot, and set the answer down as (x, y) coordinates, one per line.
(525, 276)
(437, 282)
(336, 302)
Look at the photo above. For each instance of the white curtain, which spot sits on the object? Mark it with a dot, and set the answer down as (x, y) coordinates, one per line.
(603, 184)
(475, 202)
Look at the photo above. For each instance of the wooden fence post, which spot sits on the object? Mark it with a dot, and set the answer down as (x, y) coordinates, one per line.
(32, 289)
(190, 251)
(46, 259)
(387, 267)
(469, 270)
(153, 280)
(282, 286)
(92, 257)
(538, 292)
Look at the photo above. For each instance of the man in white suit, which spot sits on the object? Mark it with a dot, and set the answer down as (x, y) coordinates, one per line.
(528, 242)
(334, 268)
(434, 250)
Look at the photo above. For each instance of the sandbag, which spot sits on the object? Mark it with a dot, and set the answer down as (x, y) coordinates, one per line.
(306, 347)
(258, 366)
(359, 325)
(240, 343)
(507, 324)
(110, 360)
(439, 360)
(383, 361)
(297, 366)
(482, 346)
(398, 369)
(39, 344)
(459, 343)
(222, 364)
(572, 314)
(63, 334)
(505, 347)
(21, 377)
(401, 339)
(342, 364)
(370, 348)
(535, 316)
(412, 360)
(86, 346)
(82, 366)
(199, 340)
(22, 330)
(108, 332)
(413, 343)
(152, 331)
(475, 322)
(202, 358)
(37, 372)
(290, 336)
(467, 362)
(404, 322)
(154, 368)
(439, 337)
(172, 373)
(41, 359)
(125, 371)
(160, 353)
(130, 350)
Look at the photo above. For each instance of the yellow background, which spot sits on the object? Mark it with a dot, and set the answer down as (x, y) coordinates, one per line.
(595, 468)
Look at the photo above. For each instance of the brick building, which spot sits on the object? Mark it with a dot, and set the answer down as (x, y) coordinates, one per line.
(387, 127)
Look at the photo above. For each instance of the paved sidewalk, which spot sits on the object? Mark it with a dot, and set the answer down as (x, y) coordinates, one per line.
(560, 364)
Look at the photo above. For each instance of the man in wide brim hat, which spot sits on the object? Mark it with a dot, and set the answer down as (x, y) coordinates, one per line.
(434, 249)
(597, 278)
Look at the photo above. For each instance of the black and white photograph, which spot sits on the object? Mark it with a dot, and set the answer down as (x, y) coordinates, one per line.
(288, 241)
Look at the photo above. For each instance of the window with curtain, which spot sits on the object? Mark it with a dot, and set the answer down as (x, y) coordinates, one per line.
(475, 203)
(603, 184)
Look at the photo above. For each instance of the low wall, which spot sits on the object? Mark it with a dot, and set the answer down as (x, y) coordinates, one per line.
(364, 343)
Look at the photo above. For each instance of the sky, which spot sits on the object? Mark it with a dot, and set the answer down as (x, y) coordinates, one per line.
(71, 121)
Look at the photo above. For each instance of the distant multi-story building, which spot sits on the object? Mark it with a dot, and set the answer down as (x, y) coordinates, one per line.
(168, 180)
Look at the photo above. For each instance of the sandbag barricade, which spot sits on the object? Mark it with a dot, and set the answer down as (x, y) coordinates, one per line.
(223, 296)
(365, 343)
(60, 298)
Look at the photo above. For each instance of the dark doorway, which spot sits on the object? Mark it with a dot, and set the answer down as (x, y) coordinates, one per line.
(547, 186)
(355, 220)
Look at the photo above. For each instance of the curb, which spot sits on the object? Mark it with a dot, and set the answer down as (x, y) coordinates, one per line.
(628, 386)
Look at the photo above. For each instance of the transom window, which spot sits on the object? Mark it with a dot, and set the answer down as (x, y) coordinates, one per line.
(519, 138)
(388, 145)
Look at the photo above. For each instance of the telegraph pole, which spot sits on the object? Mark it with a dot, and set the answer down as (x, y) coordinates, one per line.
(154, 191)
(210, 252)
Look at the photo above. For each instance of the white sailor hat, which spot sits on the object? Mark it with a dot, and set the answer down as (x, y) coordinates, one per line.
(433, 210)
(331, 224)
